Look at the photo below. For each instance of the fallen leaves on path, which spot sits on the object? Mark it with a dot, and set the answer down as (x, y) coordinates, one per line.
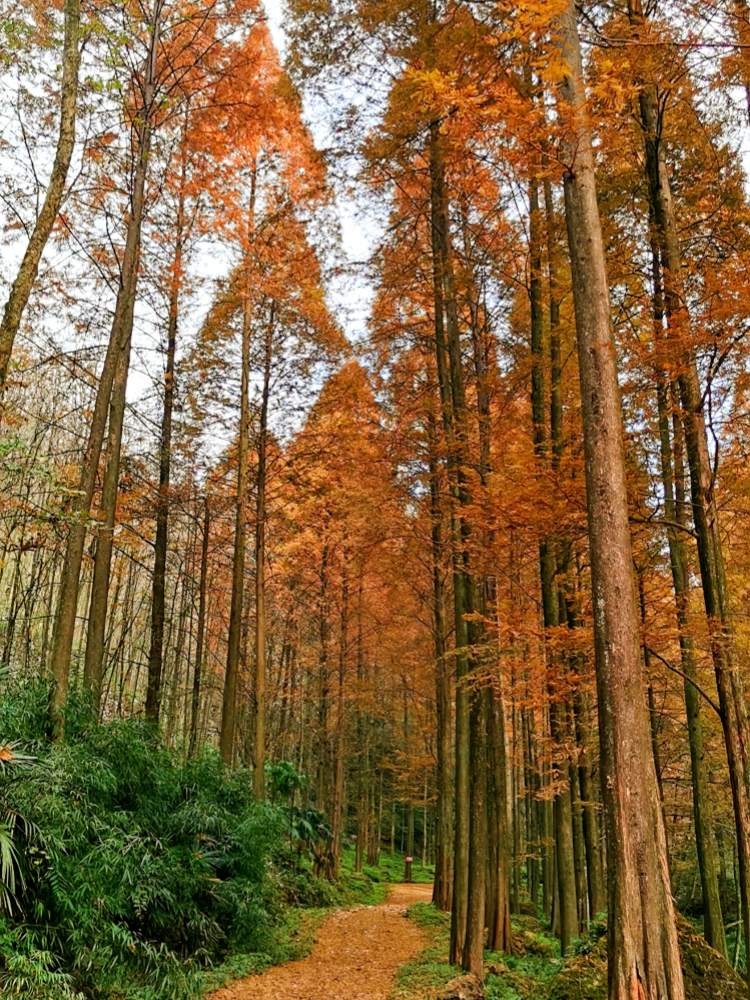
(355, 957)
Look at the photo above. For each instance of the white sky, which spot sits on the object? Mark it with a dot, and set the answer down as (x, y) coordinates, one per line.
(350, 298)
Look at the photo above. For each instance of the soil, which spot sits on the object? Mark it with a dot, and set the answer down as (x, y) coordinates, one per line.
(355, 956)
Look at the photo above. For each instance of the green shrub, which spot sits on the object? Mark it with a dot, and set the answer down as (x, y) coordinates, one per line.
(137, 868)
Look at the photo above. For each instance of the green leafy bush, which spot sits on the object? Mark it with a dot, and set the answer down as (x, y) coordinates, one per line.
(134, 868)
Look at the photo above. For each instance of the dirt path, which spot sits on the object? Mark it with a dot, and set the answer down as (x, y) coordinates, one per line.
(355, 957)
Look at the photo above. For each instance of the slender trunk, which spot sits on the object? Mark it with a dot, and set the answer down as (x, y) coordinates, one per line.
(337, 819)
(161, 542)
(234, 640)
(489, 826)
(442, 887)
(323, 749)
(673, 477)
(94, 658)
(23, 282)
(451, 383)
(80, 510)
(644, 959)
(259, 695)
(729, 682)
(200, 640)
(589, 805)
(562, 810)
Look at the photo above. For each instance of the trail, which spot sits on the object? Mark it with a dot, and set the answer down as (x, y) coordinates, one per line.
(355, 957)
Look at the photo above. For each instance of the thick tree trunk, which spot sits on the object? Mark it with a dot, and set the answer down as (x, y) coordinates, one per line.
(644, 959)
(29, 267)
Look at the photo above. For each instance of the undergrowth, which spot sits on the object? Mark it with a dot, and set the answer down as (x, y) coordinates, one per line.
(390, 868)
(430, 969)
(137, 873)
(522, 976)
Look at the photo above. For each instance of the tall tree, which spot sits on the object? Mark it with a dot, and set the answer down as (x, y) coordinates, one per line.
(644, 958)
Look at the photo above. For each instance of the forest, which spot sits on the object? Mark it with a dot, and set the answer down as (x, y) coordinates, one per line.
(374, 499)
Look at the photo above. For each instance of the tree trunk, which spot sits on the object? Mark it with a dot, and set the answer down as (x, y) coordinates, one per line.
(161, 542)
(451, 398)
(259, 695)
(94, 658)
(200, 640)
(80, 510)
(29, 267)
(644, 959)
(589, 805)
(234, 640)
(729, 682)
(562, 810)
(338, 817)
(442, 886)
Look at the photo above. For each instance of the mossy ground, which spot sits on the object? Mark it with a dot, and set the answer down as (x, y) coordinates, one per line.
(523, 976)
(430, 969)
(537, 972)
(708, 976)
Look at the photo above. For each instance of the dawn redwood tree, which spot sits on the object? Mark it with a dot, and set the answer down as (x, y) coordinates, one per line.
(644, 958)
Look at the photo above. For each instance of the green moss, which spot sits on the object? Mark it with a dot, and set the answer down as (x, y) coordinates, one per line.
(708, 976)
(526, 974)
(430, 969)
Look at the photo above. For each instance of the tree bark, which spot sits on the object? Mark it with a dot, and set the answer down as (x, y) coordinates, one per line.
(259, 694)
(229, 701)
(644, 959)
(442, 886)
(94, 657)
(161, 542)
(80, 510)
(234, 640)
(562, 809)
(439, 234)
(29, 267)
(200, 640)
(729, 682)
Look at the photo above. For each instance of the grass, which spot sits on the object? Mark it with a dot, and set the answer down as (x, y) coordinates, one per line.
(390, 868)
(430, 969)
(294, 936)
(293, 939)
(524, 976)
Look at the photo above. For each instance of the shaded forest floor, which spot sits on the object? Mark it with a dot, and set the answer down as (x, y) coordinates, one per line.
(536, 970)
